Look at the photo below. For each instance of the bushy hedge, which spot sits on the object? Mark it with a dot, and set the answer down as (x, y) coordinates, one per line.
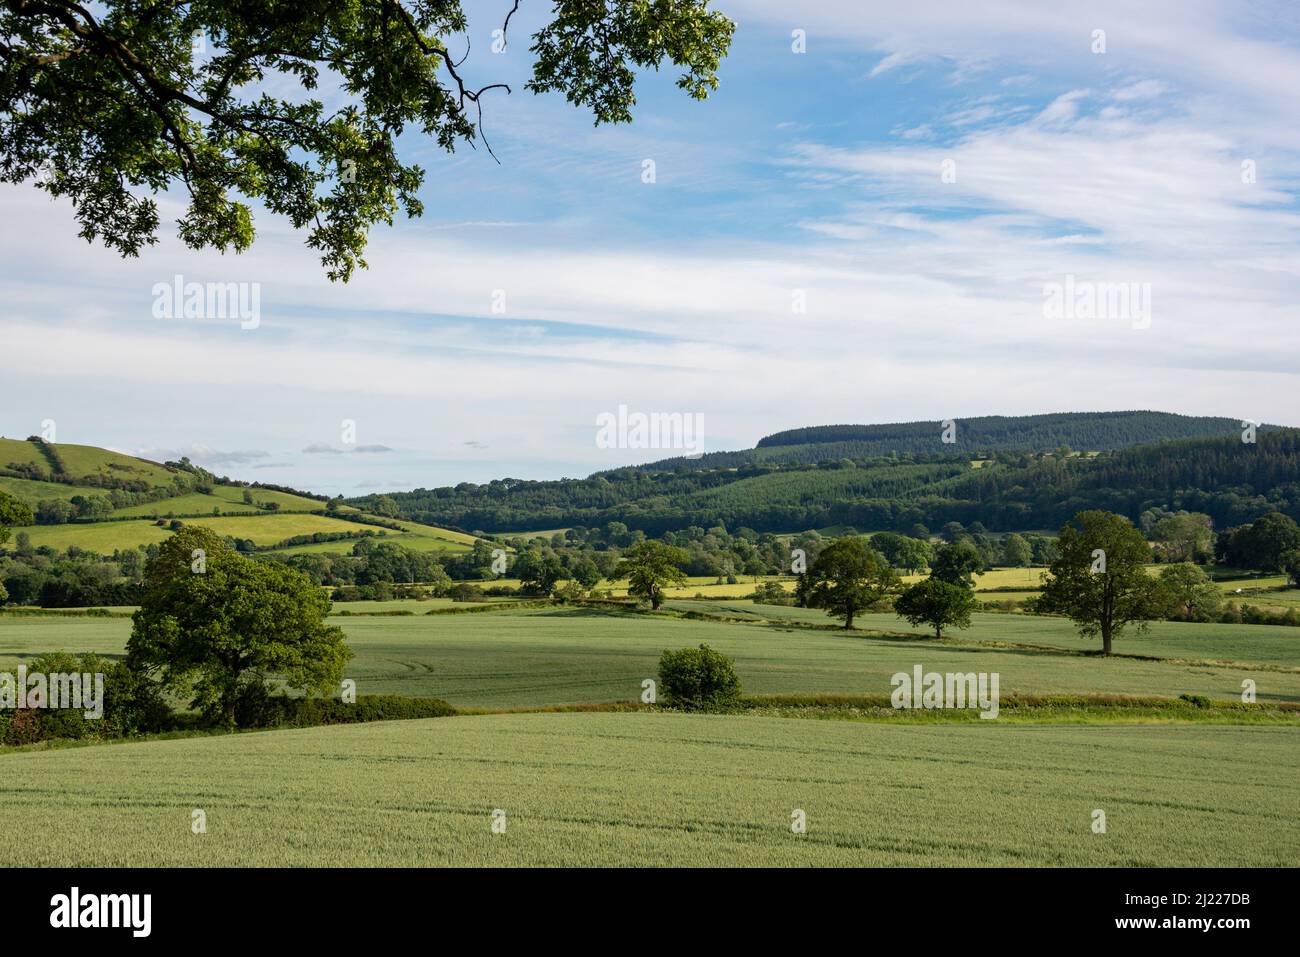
(1251, 615)
(132, 705)
(259, 709)
(699, 679)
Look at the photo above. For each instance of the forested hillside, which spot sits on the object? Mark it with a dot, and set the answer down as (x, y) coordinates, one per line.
(983, 435)
(1231, 480)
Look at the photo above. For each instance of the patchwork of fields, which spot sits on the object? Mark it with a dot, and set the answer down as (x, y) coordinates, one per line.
(222, 508)
(269, 528)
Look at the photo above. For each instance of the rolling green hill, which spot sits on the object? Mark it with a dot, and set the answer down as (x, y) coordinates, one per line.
(82, 465)
(104, 501)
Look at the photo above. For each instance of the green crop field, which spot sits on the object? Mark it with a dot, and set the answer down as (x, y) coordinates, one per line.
(102, 537)
(195, 503)
(226, 498)
(662, 789)
(426, 538)
(513, 658)
(417, 606)
(1274, 644)
(287, 501)
(417, 537)
(33, 492)
(510, 658)
(635, 787)
(266, 528)
(341, 547)
(274, 527)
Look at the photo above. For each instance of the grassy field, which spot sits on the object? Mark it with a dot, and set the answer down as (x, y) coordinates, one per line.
(226, 498)
(33, 492)
(274, 527)
(417, 537)
(416, 606)
(511, 658)
(102, 537)
(267, 528)
(661, 789)
(429, 538)
(83, 460)
(21, 452)
(1274, 644)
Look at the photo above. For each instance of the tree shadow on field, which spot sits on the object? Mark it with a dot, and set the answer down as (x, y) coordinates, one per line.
(947, 644)
(587, 611)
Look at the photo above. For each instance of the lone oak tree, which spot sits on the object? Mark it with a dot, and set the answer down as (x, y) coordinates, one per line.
(849, 577)
(110, 102)
(1100, 580)
(650, 567)
(211, 620)
(937, 603)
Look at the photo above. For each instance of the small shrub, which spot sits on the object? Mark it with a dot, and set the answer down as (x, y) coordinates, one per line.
(699, 679)
(569, 591)
(466, 592)
(771, 593)
(1200, 700)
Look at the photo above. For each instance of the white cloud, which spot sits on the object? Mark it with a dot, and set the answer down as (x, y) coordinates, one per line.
(201, 455)
(924, 298)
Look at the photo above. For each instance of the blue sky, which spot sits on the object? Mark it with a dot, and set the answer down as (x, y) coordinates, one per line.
(815, 174)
